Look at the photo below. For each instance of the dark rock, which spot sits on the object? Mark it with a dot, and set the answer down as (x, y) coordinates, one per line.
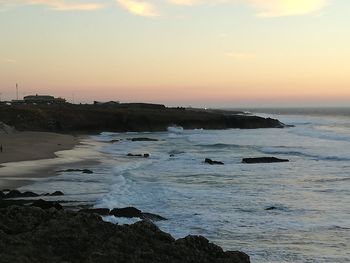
(134, 155)
(152, 217)
(264, 160)
(145, 155)
(18, 194)
(30, 234)
(113, 141)
(13, 194)
(210, 161)
(141, 139)
(84, 171)
(126, 212)
(57, 193)
(46, 204)
(171, 155)
(2, 195)
(271, 208)
(98, 211)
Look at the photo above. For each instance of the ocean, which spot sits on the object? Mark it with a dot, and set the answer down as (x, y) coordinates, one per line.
(279, 212)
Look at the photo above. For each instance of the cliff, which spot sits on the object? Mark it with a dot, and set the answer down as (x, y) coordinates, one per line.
(95, 118)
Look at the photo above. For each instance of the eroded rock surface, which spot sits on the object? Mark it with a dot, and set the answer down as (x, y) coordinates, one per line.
(31, 234)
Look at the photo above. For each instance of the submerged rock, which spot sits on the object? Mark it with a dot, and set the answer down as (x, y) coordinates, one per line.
(152, 217)
(56, 193)
(145, 155)
(30, 234)
(264, 160)
(210, 161)
(84, 171)
(142, 139)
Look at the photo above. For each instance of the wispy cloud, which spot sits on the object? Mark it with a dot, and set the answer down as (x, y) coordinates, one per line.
(141, 8)
(273, 8)
(59, 5)
(11, 61)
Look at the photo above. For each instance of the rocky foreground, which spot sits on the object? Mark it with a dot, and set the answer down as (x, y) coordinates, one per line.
(31, 234)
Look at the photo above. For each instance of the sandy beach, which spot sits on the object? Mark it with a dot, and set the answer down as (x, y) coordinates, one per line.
(29, 146)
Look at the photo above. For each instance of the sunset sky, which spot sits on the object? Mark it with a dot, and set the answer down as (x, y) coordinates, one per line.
(178, 52)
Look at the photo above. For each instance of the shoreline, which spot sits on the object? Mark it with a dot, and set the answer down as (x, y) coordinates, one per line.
(29, 156)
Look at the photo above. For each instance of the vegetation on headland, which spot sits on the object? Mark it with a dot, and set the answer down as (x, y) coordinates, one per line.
(88, 118)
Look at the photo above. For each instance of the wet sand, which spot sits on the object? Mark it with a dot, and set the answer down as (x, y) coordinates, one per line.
(26, 156)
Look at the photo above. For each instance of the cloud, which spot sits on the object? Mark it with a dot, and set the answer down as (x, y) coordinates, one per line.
(141, 8)
(273, 8)
(59, 5)
(11, 61)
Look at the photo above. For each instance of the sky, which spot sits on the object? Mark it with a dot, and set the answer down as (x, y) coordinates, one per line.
(223, 53)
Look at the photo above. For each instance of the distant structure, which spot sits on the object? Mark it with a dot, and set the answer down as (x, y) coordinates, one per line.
(42, 99)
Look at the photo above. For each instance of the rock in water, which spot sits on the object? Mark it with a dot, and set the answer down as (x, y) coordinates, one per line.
(210, 161)
(141, 139)
(126, 212)
(30, 234)
(264, 160)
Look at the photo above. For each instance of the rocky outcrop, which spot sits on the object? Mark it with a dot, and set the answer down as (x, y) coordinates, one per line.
(92, 119)
(142, 139)
(31, 234)
(210, 161)
(144, 155)
(264, 160)
(46, 204)
(131, 212)
(17, 194)
(84, 171)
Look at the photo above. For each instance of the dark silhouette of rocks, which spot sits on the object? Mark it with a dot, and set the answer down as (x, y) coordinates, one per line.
(152, 217)
(264, 160)
(131, 212)
(126, 212)
(31, 234)
(94, 118)
(84, 171)
(56, 193)
(271, 208)
(142, 139)
(98, 211)
(46, 204)
(145, 155)
(210, 161)
(18, 194)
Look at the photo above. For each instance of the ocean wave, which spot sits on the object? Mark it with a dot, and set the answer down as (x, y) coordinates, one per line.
(301, 153)
(175, 129)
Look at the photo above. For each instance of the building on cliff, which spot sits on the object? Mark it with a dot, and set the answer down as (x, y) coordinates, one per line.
(42, 99)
